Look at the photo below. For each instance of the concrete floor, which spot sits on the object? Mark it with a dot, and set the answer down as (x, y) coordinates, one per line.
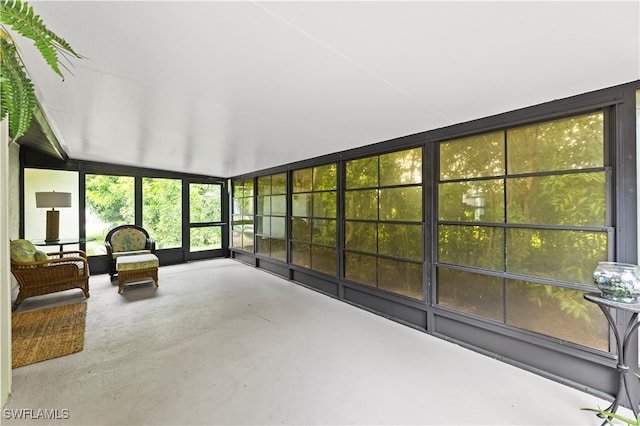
(220, 342)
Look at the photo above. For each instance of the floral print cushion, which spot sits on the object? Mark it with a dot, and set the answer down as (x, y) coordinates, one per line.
(40, 255)
(24, 251)
(133, 263)
(130, 253)
(128, 239)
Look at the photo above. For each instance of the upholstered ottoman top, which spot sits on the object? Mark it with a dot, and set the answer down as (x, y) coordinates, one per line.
(137, 262)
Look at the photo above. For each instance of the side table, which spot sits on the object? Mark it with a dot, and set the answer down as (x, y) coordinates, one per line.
(61, 242)
(623, 334)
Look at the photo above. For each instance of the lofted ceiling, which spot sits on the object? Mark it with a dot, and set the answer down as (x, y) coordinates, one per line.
(226, 88)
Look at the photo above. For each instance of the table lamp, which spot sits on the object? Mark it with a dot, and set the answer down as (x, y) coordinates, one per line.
(53, 200)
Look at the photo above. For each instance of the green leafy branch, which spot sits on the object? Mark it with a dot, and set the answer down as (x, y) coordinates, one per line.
(609, 416)
(17, 97)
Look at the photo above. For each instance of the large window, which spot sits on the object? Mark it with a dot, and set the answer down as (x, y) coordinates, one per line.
(162, 211)
(271, 216)
(313, 218)
(242, 215)
(205, 216)
(110, 202)
(35, 219)
(383, 237)
(522, 223)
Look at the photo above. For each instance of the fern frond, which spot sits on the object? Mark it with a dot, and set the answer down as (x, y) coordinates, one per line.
(16, 91)
(22, 19)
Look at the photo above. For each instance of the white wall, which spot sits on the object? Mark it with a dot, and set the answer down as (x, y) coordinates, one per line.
(637, 180)
(9, 230)
(5, 287)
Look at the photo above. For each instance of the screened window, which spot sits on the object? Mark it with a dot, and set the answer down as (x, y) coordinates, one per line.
(383, 237)
(162, 211)
(205, 216)
(522, 222)
(242, 215)
(271, 216)
(110, 202)
(313, 219)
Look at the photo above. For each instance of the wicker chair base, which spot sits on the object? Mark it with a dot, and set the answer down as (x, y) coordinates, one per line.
(137, 274)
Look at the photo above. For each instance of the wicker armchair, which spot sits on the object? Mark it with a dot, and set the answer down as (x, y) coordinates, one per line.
(41, 273)
(127, 240)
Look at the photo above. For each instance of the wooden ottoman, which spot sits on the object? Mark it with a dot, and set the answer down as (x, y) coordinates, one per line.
(137, 266)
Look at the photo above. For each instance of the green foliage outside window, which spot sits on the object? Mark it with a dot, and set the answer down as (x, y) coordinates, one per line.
(271, 216)
(110, 202)
(531, 202)
(313, 222)
(205, 206)
(242, 223)
(162, 211)
(383, 229)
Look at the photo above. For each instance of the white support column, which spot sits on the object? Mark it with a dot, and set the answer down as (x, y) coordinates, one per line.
(5, 280)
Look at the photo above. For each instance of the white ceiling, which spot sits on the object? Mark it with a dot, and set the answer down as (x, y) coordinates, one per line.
(225, 88)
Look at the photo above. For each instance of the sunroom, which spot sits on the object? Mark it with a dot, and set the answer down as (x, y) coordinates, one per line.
(465, 185)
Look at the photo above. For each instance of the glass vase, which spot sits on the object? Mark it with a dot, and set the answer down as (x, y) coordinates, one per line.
(618, 281)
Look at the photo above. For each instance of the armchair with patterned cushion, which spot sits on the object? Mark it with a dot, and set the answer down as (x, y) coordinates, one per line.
(127, 240)
(40, 273)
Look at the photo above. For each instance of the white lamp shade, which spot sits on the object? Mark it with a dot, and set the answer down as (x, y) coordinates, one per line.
(53, 199)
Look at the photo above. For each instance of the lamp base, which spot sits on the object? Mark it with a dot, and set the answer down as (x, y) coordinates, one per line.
(53, 226)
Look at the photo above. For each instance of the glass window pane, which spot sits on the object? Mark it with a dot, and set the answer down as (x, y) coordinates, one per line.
(360, 268)
(403, 204)
(573, 199)
(263, 245)
(400, 277)
(278, 229)
(301, 229)
(558, 312)
(301, 205)
(475, 201)
(209, 238)
(401, 167)
(205, 203)
(479, 246)
(324, 177)
(162, 211)
(323, 259)
(236, 238)
(279, 183)
(567, 144)
(556, 254)
(301, 254)
(278, 249)
(263, 225)
(400, 240)
(248, 188)
(238, 189)
(264, 205)
(246, 206)
(302, 180)
(264, 185)
(324, 232)
(110, 202)
(279, 205)
(476, 294)
(362, 173)
(324, 204)
(475, 156)
(361, 204)
(361, 236)
(247, 237)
